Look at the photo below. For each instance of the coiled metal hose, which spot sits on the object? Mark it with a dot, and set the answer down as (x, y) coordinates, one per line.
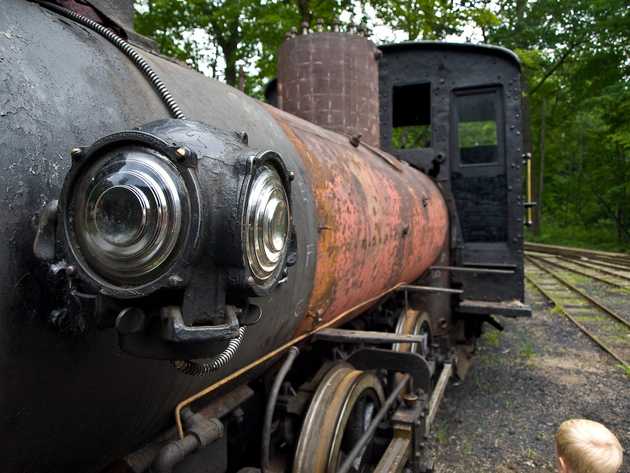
(194, 368)
(129, 51)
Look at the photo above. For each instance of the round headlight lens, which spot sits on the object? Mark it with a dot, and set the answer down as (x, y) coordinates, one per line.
(127, 213)
(267, 224)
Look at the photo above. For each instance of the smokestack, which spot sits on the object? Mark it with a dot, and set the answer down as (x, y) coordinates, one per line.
(331, 79)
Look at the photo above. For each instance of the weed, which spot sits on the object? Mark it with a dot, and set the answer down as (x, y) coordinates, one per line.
(527, 350)
(492, 338)
(441, 434)
(467, 447)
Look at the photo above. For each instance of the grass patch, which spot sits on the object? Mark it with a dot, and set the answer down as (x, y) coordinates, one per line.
(492, 338)
(594, 237)
(441, 434)
(527, 351)
(575, 279)
(590, 318)
(557, 310)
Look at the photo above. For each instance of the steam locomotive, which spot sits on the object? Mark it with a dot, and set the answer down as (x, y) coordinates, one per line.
(195, 281)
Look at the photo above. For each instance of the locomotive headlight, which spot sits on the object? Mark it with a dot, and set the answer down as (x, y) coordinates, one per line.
(266, 225)
(126, 214)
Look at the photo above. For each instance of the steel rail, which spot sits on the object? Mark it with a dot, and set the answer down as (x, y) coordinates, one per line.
(584, 264)
(619, 258)
(576, 271)
(577, 290)
(586, 331)
(606, 264)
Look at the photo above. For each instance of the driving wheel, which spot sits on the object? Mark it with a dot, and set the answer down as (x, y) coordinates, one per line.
(341, 410)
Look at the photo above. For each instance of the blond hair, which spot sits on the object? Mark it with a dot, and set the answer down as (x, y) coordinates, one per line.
(588, 447)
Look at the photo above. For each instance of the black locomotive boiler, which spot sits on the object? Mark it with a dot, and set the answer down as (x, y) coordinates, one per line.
(194, 281)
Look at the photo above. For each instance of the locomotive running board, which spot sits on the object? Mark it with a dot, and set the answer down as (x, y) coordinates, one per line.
(364, 336)
(409, 442)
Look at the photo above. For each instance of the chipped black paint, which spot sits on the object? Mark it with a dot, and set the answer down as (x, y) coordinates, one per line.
(63, 86)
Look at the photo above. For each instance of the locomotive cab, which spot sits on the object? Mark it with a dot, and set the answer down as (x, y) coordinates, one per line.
(454, 112)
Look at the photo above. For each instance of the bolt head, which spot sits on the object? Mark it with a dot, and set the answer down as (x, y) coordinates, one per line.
(71, 271)
(175, 280)
(76, 153)
(182, 153)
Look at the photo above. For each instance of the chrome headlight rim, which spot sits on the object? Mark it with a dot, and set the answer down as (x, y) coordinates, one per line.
(177, 261)
(263, 208)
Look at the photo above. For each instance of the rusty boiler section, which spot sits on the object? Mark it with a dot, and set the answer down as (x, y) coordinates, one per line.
(380, 221)
(331, 79)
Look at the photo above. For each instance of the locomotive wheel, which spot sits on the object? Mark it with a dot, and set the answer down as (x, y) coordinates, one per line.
(414, 322)
(341, 410)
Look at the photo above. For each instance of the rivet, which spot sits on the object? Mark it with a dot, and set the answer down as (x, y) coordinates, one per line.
(291, 175)
(76, 153)
(182, 153)
(71, 271)
(355, 140)
(175, 280)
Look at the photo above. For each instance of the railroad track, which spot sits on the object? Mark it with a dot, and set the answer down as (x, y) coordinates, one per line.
(621, 260)
(617, 278)
(602, 324)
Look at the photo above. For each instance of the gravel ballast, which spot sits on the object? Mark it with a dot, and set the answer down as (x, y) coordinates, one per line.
(524, 383)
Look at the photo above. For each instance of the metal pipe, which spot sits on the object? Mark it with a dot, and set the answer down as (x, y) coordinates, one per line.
(173, 453)
(203, 431)
(414, 288)
(371, 430)
(529, 189)
(271, 405)
(469, 269)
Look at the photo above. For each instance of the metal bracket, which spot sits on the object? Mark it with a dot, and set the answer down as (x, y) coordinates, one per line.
(405, 362)
(175, 330)
(168, 338)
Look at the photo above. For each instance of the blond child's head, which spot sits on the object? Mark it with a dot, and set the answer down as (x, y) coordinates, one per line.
(585, 446)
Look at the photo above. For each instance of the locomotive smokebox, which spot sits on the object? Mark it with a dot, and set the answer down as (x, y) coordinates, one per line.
(331, 79)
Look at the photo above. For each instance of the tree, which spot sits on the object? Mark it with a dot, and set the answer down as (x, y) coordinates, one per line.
(420, 19)
(233, 32)
(185, 28)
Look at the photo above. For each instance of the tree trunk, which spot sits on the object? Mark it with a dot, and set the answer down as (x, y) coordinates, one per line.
(304, 8)
(229, 55)
(622, 232)
(541, 171)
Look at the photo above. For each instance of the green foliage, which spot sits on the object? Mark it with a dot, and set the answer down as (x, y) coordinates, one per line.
(601, 236)
(225, 35)
(421, 19)
(411, 137)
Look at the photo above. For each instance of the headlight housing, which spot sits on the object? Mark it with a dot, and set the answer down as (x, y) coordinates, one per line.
(266, 225)
(130, 213)
(176, 201)
(127, 214)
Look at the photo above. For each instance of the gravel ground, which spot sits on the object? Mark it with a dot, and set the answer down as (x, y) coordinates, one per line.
(526, 381)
